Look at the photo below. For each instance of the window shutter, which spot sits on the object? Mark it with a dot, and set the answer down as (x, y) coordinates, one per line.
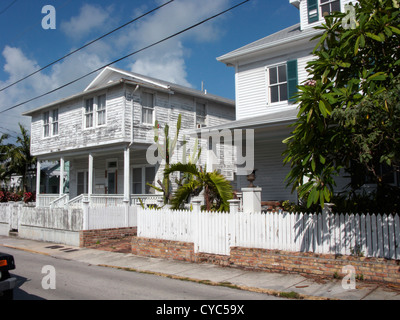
(292, 78)
(312, 7)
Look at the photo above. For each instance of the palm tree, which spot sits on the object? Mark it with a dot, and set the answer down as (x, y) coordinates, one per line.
(20, 158)
(217, 190)
(4, 149)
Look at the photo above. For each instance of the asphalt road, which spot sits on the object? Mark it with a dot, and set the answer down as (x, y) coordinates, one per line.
(43, 277)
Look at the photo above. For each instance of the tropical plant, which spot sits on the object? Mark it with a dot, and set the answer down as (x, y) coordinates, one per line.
(166, 151)
(19, 158)
(346, 111)
(217, 190)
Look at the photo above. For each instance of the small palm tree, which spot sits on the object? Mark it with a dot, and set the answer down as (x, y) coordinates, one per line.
(20, 158)
(217, 190)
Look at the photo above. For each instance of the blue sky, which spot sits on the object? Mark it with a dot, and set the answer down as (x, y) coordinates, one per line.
(187, 59)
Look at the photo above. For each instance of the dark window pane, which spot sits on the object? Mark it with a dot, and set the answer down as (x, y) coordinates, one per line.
(336, 6)
(273, 77)
(283, 92)
(282, 73)
(274, 94)
(325, 9)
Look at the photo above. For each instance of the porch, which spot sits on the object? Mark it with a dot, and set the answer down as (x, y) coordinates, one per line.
(113, 176)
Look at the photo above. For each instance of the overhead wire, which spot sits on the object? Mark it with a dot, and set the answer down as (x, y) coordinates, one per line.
(127, 56)
(86, 45)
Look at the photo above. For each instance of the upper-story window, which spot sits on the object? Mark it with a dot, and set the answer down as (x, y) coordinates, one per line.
(89, 113)
(50, 123)
(101, 110)
(278, 84)
(282, 82)
(147, 107)
(321, 8)
(46, 124)
(95, 111)
(329, 6)
(54, 124)
(200, 114)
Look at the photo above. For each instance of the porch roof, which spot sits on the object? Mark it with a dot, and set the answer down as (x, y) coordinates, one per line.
(276, 118)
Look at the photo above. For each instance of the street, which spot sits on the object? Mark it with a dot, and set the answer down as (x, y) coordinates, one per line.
(43, 277)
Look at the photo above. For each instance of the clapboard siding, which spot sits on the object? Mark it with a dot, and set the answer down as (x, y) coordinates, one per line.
(123, 120)
(252, 86)
(304, 14)
(268, 161)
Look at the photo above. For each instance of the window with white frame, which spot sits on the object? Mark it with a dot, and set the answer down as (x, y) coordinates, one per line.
(89, 113)
(101, 110)
(200, 114)
(46, 124)
(140, 179)
(278, 85)
(54, 121)
(147, 108)
(329, 6)
(50, 123)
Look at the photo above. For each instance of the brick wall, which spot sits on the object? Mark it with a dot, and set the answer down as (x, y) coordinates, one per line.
(324, 265)
(94, 238)
(373, 269)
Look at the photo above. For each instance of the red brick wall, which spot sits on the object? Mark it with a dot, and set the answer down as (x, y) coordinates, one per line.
(373, 269)
(94, 238)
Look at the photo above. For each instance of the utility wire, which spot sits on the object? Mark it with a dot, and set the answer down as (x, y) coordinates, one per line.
(127, 56)
(86, 45)
(8, 7)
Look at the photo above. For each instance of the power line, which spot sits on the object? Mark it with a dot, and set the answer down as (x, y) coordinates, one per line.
(8, 7)
(127, 56)
(86, 45)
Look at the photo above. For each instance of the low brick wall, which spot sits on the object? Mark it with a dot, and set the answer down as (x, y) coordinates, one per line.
(327, 265)
(101, 237)
(323, 265)
(156, 248)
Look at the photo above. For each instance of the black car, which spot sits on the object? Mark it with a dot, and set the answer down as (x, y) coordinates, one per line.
(7, 283)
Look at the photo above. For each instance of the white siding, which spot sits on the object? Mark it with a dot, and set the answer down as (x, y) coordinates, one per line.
(251, 83)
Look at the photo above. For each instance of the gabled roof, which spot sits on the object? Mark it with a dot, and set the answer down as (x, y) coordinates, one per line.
(285, 36)
(111, 76)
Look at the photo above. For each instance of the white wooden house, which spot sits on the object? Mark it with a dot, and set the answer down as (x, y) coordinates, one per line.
(267, 72)
(105, 131)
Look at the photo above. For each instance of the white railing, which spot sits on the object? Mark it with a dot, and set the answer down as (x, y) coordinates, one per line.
(211, 232)
(44, 200)
(111, 200)
(59, 202)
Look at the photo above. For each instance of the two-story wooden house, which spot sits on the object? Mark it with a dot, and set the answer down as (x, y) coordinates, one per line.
(105, 131)
(267, 73)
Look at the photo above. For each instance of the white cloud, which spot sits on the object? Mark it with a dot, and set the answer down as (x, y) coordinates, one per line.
(167, 60)
(91, 17)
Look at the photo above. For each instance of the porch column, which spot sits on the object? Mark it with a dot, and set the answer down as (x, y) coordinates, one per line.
(126, 184)
(61, 176)
(126, 174)
(90, 177)
(37, 182)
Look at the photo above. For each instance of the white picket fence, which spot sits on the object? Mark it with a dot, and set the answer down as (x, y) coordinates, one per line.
(110, 217)
(211, 232)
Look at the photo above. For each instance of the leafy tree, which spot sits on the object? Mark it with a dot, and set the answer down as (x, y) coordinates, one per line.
(346, 104)
(217, 190)
(4, 148)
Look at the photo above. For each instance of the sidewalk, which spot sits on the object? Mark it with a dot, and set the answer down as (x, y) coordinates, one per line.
(269, 283)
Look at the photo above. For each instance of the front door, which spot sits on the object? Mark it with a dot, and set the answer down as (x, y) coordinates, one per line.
(112, 182)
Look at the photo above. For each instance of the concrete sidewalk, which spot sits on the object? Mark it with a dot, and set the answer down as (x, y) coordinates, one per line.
(269, 283)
